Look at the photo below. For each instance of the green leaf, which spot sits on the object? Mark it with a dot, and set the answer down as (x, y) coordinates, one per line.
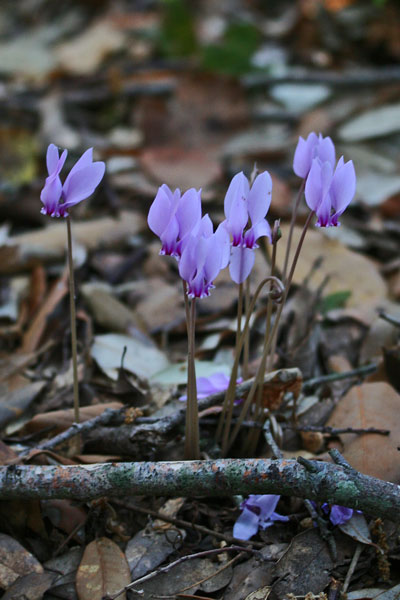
(233, 55)
(177, 31)
(336, 300)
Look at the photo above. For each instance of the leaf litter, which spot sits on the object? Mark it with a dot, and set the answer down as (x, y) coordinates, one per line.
(190, 105)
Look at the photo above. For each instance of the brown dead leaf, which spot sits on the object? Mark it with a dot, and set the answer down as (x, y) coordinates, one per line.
(15, 402)
(83, 54)
(59, 420)
(15, 561)
(371, 405)
(103, 570)
(35, 331)
(23, 250)
(30, 587)
(65, 515)
(182, 167)
(348, 270)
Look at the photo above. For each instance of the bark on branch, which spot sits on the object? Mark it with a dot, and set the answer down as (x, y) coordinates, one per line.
(325, 482)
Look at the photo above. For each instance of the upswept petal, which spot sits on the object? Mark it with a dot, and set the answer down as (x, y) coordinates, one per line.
(238, 188)
(317, 190)
(262, 228)
(342, 189)
(237, 219)
(85, 161)
(168, 238)
(50, 196)
(160, 211)
(188, 211)
(241, 263)
(246, 525)
(213, 262)
(82, 183)
(259, 198)
(325, 150)
(303, 155)
(187, 263)
(223, 239)
(265, 502)
(51, 158)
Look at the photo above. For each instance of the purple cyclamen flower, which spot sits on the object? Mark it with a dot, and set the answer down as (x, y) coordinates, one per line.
(328, 192)
(206, 386)
(257, 511)
(203, 256)
(81, 182)
(313, 147)
(337, 514)
(241, 203)
(172, 217)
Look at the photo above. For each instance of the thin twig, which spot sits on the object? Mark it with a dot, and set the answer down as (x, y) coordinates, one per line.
(336, 430)
(188, 525)
(180, 560)
(331, 377)
(353, 564)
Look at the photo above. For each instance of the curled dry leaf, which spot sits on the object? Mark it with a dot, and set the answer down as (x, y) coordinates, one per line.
(103, 570)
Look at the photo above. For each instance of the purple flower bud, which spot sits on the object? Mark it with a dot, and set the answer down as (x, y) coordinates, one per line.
(258, 511)
(172, 218)
(81, 182)
(313, 147)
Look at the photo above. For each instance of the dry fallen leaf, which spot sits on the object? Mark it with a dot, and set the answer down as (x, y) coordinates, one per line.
(15, 561)
(348, 270)
(103, 570)
(371, 405)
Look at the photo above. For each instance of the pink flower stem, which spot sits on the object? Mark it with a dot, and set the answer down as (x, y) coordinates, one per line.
(246, 349)
(292, 224)
(73, 322)
(287, 287)
(254, 434)
(192, 443)
(269, 348)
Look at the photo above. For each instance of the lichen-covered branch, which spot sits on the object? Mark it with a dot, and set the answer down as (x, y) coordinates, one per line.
(336, 484)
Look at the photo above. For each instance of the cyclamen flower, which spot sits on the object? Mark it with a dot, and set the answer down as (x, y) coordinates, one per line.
(172, 217)
(328, 192)
(206, 386)
(241, 203)
(81, 182)
(313, 147)
(203, 256)
(338, 514)
(258, 511)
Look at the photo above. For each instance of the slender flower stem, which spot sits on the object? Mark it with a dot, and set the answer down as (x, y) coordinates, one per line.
(254, 434)
(271, 341)
(186, 301)
(246, 349)
(192, 444)
(292, 224)
(227, 409)
(288, 283)
(239, 315)
(73, 322)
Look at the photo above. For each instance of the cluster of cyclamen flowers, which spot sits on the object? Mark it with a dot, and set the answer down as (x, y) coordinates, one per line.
(202, 253)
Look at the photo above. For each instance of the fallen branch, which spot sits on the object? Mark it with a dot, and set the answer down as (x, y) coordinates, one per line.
(320, 481)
